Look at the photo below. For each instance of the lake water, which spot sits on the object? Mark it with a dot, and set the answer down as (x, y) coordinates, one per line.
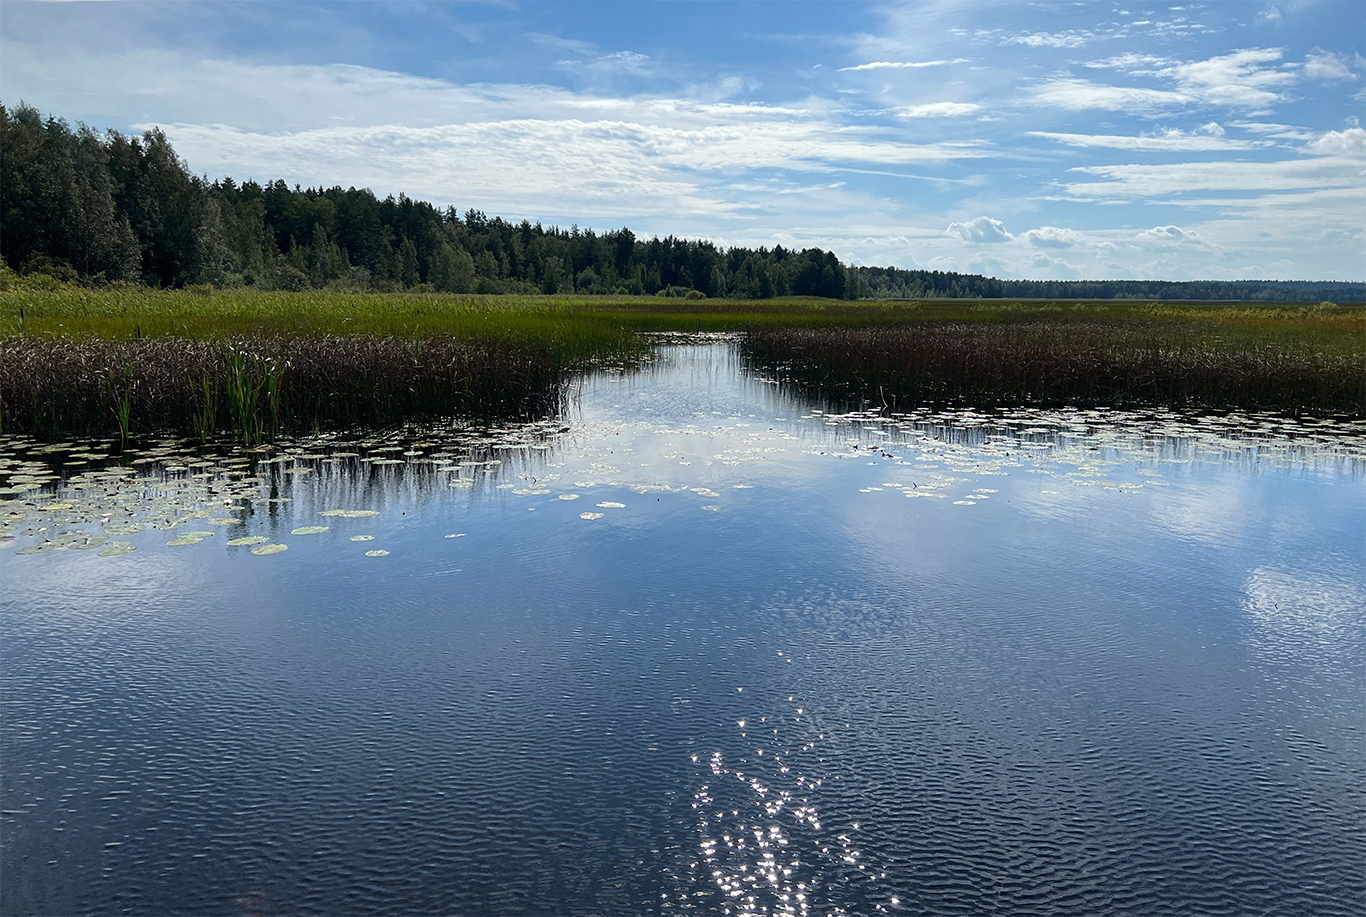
(698, 647)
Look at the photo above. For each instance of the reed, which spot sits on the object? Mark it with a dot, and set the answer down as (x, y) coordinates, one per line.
(1077, 363)
(130, 360)
(254, 388)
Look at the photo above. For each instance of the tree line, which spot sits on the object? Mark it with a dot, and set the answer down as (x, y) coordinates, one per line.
(96, 208)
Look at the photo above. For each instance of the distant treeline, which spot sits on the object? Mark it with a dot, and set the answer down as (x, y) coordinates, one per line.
(98, 208)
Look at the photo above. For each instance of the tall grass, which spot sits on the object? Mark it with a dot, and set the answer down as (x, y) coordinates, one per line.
(1083, 363)
(256, 387)
(128, 360)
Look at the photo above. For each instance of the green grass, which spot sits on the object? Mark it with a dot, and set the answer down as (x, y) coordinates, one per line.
(132, 360)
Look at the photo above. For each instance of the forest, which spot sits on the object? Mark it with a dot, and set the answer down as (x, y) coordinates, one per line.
(94, 208)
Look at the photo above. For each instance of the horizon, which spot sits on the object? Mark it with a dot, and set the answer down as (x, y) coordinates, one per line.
(1089, 142)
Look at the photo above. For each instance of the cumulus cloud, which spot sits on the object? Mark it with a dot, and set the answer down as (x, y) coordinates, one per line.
(982, 229)
(1167, 234)
(1051, 237)
(1351, 142)
(1327, 66)
(903, 65)
(1043, 264)
(939, 110)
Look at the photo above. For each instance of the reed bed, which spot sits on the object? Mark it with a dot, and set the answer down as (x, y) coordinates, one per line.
(127, 360)
(1075, 363)
(254, 388)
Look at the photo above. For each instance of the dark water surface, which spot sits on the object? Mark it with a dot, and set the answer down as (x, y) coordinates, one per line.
(791, 663)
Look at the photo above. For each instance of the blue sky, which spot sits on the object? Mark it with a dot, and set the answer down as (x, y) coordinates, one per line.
(1047, 140)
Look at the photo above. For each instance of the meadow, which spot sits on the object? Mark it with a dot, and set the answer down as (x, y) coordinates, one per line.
(127, 360)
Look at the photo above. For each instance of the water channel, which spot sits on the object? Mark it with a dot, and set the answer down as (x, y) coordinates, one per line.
(698, 645)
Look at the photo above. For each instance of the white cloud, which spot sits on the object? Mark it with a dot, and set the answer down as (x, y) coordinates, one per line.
(1168, 234)
(1068, 39)
(982, 229)
(1051, 237)
(1078, 95)
(616, 62)
(1176, 179)
(1327, 66)
(903, 65)
(1169, 141)
(939, 110)
(1351, 143)
(1243, 79)
(1131, 62)
(1279, 131)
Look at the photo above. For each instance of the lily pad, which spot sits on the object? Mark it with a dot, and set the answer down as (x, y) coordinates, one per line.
(362, 537)
(350, 513)
(183, 540)
(250, 539)
(590, 515)
(608, 504)
(569, 496)
(380, 553)
(222, 520)
(310, 530)
(115, 548)
(264, 549)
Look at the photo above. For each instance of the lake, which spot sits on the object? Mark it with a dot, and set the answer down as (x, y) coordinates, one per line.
(696, 645)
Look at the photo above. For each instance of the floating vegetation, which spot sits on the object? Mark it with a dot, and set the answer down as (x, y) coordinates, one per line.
(264, 549)
(367, 537)
(591, 515)
(379, 553)
(188, 538)
(569, 496)
(310, 530)
(350, 513)
(611, 504)
(115, 548)
(248, 540)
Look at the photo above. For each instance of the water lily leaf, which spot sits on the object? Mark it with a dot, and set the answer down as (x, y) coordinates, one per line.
(222, 520)
(608, 504)
(264, 549)
(569, 496)
(250, 539)
(350, 513)
(362, 537)
(310, 530)
(590, 515)
(379, 553)
(115, 548)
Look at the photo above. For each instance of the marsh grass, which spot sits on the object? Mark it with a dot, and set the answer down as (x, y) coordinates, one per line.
(129, 360)
(257, 387)
(1079, 363)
